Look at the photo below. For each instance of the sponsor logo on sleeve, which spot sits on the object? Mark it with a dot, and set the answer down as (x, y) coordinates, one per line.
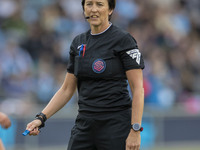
(135, 54)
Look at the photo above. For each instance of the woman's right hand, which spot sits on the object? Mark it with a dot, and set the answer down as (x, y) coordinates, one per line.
(33, 127)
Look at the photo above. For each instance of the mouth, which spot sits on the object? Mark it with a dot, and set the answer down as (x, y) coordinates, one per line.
(94, 16)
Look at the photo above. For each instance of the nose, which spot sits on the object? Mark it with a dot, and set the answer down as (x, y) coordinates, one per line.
(94, 8)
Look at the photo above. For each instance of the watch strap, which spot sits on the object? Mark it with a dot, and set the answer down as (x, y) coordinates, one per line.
(42, 115)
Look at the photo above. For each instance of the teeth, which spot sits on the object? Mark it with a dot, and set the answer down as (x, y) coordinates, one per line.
(94, 16)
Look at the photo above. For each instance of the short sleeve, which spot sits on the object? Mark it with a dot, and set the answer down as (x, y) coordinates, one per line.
(130, 54)
(126, 42)
(132, 59)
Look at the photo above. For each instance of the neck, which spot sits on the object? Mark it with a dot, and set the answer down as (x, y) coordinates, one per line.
(99, 29)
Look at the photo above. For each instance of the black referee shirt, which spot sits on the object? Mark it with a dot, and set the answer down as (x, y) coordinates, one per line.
(99, 62)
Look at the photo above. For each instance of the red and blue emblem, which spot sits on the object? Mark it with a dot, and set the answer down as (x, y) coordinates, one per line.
(99, 66)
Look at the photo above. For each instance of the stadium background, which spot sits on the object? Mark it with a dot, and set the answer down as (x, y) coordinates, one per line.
(35, 36)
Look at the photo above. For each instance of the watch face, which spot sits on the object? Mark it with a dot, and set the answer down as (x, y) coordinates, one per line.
(136, 127)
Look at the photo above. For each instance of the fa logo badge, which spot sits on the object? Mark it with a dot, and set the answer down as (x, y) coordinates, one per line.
(99, 66)
(135, 53)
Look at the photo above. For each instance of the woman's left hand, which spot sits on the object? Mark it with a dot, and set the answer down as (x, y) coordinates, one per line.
(133, 141)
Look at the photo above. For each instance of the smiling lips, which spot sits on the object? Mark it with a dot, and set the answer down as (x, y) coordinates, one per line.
(94, 16)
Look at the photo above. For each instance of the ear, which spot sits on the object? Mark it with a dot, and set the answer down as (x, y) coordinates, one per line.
(110, 12)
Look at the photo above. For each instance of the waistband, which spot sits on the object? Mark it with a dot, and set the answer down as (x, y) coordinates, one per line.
(103, 114)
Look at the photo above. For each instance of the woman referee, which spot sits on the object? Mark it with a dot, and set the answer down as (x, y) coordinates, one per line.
(101, 61)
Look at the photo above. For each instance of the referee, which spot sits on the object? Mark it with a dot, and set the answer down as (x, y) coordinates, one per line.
(101, 61)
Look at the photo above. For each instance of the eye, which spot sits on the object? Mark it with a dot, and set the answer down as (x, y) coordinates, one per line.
(100, 4)
(88, 4)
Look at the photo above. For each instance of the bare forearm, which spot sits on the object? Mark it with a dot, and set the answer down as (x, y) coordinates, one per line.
(137, 105)
(1, 145)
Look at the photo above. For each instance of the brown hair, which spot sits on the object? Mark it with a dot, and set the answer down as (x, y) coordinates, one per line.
(111, 4)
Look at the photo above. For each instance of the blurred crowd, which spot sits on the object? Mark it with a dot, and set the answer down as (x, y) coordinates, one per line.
(35, 37)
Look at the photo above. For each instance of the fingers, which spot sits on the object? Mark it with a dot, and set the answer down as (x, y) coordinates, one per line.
(33, 127)
(34, 132)
(133, 147)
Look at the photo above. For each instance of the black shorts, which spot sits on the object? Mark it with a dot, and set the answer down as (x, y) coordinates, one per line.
(103, 132)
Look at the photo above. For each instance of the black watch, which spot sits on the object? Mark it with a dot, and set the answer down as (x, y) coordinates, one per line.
(42, 115)
(137, 127)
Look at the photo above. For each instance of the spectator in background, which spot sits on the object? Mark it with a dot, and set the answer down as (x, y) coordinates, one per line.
(16, 67)
(5, 123)
(127, 11)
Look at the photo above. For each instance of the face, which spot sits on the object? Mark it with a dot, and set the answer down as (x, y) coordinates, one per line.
(98, 11)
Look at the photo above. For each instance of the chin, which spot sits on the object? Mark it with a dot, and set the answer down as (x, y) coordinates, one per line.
(94, 23)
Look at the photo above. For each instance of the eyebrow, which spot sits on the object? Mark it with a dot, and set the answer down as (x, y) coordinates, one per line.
(100, 2)
(91, 1)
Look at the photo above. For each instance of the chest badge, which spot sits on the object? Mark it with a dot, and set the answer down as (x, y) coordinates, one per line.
(99, 66)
